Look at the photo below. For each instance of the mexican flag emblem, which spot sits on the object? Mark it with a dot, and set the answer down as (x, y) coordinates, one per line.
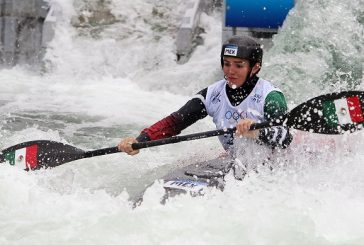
(25, 157)
(343, 111)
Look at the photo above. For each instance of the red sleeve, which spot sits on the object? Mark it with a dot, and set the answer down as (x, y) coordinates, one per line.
(173, 124)
(164, 128)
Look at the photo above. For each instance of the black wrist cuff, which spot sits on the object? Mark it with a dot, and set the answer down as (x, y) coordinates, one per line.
(143, 137)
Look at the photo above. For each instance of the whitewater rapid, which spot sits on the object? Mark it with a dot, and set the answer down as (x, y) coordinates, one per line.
(100, 83)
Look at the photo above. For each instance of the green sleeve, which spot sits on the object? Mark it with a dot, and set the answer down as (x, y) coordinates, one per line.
(275, 105)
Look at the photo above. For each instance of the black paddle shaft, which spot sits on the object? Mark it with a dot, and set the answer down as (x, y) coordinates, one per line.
(196, 136)
(174, 139)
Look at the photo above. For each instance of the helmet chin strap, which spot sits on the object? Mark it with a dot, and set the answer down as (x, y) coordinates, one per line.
(249, 76)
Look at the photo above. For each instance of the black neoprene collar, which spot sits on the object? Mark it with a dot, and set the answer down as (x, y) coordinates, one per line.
(237, 95)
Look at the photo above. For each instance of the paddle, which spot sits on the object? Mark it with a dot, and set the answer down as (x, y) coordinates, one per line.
(334, 113)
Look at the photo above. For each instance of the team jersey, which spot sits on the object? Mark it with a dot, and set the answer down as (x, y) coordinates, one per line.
(227, 115)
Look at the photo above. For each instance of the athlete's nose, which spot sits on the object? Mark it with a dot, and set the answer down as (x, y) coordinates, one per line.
(231, 69)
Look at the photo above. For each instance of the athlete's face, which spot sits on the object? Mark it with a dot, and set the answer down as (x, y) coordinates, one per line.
(237, 70)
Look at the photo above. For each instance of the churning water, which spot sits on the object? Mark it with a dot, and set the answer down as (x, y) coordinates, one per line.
(102, 81)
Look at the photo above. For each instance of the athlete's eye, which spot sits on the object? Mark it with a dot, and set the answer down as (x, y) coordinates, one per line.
(242, 64)
(226, 63)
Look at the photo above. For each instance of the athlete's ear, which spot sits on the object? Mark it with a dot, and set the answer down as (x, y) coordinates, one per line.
(256, 68)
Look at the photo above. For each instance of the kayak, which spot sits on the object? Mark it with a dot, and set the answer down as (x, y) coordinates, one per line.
(194, 179)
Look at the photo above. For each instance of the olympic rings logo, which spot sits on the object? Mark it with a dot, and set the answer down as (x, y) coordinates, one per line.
(234, 116)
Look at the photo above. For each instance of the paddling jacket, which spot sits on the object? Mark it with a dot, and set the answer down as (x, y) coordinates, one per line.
(256, 99)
